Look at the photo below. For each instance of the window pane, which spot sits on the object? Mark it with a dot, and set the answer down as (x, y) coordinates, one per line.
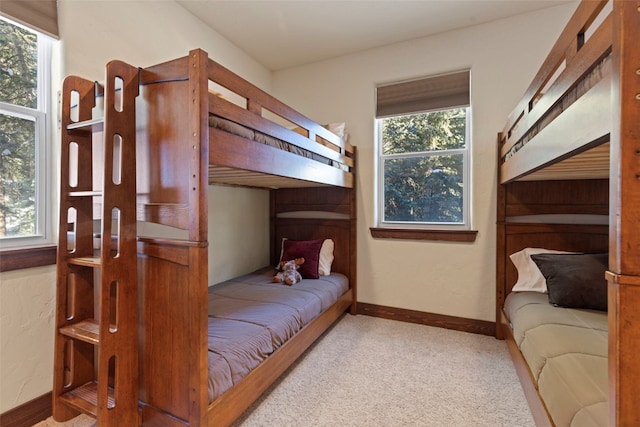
(17, 177)
(438, 130)
(424, 189)
(18, 65)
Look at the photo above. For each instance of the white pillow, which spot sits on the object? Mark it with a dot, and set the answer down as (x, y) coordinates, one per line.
(529, 276)
(326, 258)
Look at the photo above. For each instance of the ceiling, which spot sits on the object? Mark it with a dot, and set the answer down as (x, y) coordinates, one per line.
(287, 33)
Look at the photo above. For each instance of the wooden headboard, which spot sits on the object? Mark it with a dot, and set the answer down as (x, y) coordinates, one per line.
(316, 213)
(547, 214)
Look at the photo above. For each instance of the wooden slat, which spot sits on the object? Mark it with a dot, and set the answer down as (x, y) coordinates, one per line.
(591, 164)
(238, 177)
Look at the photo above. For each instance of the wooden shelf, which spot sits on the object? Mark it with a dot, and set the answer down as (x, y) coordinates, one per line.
(85, 398)
(93, 262)
(86, 330)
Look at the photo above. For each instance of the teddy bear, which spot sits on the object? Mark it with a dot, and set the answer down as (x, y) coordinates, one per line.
(288, 272)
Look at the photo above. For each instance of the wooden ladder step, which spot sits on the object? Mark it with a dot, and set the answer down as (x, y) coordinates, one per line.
(85, 398)
(86, 330)
(86, 127)
(86, 261)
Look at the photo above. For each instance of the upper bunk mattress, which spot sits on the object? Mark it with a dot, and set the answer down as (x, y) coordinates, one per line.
(566, 350)
(250, 317)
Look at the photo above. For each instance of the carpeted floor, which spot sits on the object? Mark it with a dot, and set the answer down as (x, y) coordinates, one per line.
(368, 371)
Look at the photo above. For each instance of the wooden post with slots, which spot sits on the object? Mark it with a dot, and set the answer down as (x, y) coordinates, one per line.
(624, 227)
(96, 342)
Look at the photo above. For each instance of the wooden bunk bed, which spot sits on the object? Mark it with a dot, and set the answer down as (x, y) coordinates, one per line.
(189, 132)
(568, 157)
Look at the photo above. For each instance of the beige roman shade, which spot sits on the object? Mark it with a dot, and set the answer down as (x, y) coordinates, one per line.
(40, 15)
(427, 94)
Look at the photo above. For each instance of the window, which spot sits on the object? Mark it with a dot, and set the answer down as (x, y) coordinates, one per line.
(423, 129)
(25, 64)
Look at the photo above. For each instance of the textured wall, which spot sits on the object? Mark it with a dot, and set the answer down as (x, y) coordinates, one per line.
(456, 279)
(27, 307)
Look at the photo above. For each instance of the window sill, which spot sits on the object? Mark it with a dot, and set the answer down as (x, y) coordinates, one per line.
(18, 259)
(466, 236)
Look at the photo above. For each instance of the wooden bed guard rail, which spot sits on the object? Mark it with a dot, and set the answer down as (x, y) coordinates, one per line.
(329, 144)
(582, 46)
(308, 135)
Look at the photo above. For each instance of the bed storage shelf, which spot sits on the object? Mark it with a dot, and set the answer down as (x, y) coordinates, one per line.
(568, 170)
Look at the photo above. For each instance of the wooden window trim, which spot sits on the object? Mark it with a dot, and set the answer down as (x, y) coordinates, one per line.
(465, 236)
(18, 259)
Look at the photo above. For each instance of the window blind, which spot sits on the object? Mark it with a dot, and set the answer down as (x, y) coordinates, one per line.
(427, 94)
(40, 15)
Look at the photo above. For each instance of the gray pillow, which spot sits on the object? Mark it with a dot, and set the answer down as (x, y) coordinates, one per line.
(575, 280)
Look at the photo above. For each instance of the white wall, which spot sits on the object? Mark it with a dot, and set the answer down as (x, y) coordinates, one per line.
(141, 33)
(455, 279)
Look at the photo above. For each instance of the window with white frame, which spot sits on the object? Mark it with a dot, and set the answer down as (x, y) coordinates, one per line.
(25, 74)
(423, 129)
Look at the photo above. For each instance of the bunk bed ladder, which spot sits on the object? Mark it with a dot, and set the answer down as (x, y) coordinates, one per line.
(96, 340)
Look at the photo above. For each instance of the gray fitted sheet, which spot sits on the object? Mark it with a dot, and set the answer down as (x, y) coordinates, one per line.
(566, 350)
(250, 317)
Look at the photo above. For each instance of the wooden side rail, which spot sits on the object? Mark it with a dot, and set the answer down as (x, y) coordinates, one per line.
(576, 55)
(257, 100)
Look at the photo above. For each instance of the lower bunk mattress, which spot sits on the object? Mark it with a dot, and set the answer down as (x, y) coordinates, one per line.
(566, 350)
(250, 317)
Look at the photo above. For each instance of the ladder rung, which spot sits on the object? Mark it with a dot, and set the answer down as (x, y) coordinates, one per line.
(86, 330)
(85, 398)
(84, 193)
(85, 261)
(93, 125)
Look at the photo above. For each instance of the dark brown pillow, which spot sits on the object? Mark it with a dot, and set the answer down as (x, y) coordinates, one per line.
(307, 249)
(575, 280)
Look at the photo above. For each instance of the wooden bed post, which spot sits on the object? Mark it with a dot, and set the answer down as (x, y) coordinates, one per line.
(624, 255)
(500, 247)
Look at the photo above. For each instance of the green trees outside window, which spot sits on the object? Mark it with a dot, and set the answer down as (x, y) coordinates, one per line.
(19, 114)
(423, 167)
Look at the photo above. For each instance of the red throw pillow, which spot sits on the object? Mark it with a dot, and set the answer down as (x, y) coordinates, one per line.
(307, 249)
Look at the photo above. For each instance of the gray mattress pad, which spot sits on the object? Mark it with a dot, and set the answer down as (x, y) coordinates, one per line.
(250, 317)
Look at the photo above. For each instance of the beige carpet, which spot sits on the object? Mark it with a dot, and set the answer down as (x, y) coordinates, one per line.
(374, 372)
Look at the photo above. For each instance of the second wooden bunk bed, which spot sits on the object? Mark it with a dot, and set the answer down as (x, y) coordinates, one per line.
(190, 134)
(568, 157)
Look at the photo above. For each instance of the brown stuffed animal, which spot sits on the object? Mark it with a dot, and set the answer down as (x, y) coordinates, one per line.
(288, 272)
